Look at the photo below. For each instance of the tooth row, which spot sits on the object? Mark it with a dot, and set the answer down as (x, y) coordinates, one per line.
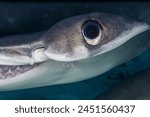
(11, 71)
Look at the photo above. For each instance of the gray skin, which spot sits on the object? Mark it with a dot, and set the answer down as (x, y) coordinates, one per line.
(66, 57)
(70, 38)
(135, 88)
(65, 42)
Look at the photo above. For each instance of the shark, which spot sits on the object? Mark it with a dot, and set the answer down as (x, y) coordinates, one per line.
(72, 50)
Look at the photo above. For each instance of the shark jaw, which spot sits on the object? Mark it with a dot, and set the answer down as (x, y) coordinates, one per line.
(7, 71)
(43, 74)
(53, 72)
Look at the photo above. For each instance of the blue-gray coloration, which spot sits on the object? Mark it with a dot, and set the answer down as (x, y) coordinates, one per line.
(140, 16)
(136, 87)
(64, 42)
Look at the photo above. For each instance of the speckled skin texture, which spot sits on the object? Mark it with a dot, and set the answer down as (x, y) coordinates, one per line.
(65, 36)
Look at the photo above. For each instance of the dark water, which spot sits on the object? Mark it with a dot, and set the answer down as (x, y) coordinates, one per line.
(17, 18)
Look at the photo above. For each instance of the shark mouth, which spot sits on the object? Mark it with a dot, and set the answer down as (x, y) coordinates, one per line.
(7, 71)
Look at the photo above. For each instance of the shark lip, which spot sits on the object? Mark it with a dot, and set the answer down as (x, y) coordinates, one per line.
(7, 71)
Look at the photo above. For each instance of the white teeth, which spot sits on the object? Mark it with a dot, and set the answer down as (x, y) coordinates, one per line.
(5, 69)
(9, 71)
(9, 74)
(39, 56)
(12, 71)
(18, 70)
(13, 67)
(26, 68)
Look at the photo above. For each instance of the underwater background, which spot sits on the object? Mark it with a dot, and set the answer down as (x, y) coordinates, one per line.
(24, 17)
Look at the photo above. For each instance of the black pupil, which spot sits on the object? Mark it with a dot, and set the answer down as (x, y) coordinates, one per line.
(91, 29)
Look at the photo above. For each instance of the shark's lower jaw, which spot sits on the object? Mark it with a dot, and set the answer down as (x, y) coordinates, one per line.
(7, 71)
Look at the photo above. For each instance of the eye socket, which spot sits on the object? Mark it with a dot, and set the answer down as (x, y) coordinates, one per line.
(92, 32)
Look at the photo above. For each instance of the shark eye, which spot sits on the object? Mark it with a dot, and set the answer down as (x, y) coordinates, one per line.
(92, 32)
(84, 36)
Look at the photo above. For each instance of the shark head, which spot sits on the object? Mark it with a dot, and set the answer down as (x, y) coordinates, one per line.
(74, 49)
(85, 36)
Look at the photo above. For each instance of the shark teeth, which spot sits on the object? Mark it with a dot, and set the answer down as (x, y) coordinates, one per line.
(12, 71)
(13, 63)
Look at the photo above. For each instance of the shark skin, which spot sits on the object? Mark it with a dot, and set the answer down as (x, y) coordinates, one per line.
(52, 70)
(55, 72)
